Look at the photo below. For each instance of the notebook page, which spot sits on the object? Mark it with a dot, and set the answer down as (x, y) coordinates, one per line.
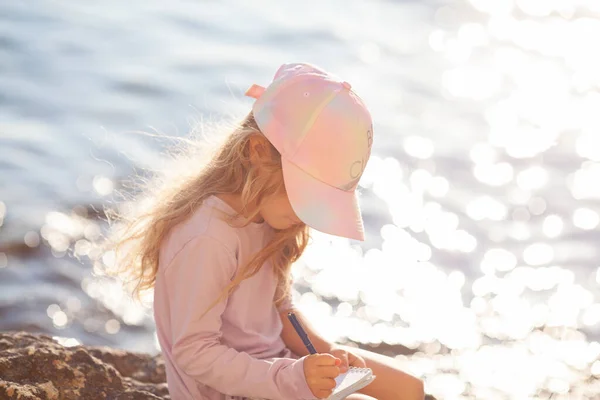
(351, 381)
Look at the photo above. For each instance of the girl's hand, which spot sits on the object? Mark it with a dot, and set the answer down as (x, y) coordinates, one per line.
(320, 371)
(348, 358)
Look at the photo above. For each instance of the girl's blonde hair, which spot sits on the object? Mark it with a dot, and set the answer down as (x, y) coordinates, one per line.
(173, 199)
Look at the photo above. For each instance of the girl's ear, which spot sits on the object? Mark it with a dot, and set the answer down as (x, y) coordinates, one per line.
(259, 150)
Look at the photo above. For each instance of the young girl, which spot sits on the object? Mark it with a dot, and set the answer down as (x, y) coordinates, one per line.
(218, 246)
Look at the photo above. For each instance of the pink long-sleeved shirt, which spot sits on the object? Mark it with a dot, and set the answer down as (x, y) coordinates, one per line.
(235, 350)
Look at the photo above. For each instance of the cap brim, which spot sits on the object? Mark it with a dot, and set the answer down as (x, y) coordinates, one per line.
(321, 206)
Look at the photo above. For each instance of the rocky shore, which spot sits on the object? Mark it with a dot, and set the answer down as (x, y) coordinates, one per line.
(35, 366)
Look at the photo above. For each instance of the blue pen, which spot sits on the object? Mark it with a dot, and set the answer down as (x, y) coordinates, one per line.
(301, 333)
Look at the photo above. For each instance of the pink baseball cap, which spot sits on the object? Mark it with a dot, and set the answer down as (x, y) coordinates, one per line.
(324, 133)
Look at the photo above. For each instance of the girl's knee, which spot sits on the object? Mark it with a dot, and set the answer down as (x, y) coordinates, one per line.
(406, 387)
(413, 390)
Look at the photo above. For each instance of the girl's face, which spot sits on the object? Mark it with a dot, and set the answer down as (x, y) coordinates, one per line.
(278, 213)
(276, 210)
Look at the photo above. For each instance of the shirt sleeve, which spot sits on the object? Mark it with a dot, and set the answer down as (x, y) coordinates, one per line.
(195, 278)
(287, 303)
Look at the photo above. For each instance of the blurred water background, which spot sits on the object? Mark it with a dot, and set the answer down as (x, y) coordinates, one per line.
(481, 200)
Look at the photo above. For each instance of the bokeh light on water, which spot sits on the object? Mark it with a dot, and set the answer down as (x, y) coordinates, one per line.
(481, 199)
(513, 328)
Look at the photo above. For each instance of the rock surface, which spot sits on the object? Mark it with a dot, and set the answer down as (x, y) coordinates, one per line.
(34, 366)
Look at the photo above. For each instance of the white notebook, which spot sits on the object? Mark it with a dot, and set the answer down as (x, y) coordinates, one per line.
(351, 381)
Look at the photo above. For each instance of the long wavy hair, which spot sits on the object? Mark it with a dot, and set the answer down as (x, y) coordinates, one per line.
(169, 198)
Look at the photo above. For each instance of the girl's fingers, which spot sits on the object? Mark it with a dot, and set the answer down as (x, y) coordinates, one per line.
(345, 363)
(328, 372)
(325, 387)
(359, 362)
(327, 384)
(323, 394)
(342, 355)
(325, 359)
